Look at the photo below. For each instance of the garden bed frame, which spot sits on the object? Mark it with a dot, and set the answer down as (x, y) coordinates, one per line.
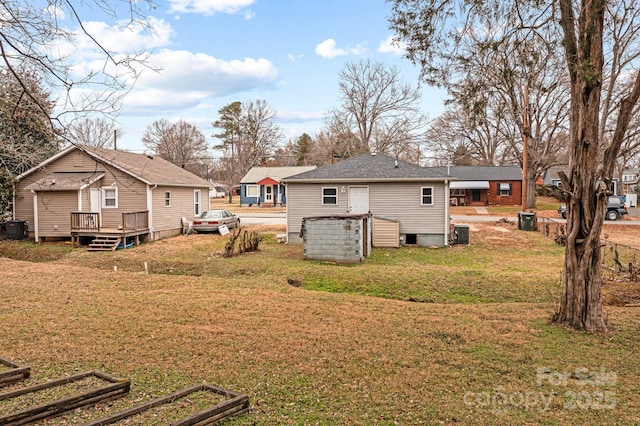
(116, 388)
(15, 374)
(235, 404)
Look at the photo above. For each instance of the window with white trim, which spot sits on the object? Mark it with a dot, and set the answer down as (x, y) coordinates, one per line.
(427, 196)
(167, 199)
(196, 202)
(109, 197)
(252, 191)
(504, 189)
(329, 196)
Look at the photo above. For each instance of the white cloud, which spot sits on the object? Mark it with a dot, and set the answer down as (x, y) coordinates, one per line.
(249, 14)
(208, 7)
(390, 45)
(299, 116)
(293, 57)
(327, 49)
(186, 79)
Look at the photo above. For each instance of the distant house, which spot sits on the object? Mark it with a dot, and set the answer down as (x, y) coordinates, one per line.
(83, 193)
(484, 185)
(263, 185)
(551, 177)
(408, 200)
(217, 190)
(630, 180)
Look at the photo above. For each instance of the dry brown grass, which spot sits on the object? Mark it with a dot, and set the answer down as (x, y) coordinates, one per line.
(307, 357)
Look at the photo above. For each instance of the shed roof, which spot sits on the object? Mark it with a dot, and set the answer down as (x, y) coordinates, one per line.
(481, 172)
(368, 167)
(256, 174)
(65, 181)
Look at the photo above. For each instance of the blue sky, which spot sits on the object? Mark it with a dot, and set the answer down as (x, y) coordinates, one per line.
(214, 52)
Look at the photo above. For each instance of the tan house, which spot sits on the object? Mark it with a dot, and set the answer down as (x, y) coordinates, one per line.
(110, 197)
(409, 203)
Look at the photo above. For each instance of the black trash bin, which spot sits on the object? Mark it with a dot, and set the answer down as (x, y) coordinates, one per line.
(526, 221)
(16, 230)
(461, 234)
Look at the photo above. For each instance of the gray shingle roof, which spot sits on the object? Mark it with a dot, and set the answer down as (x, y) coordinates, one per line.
(151, 169)
(481, 172)
(368, 167)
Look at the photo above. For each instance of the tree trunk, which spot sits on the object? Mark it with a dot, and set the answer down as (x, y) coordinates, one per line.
(581, 303)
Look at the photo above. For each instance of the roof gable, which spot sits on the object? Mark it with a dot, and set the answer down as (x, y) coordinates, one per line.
(372, 167)
(152, 170)
(256, 174)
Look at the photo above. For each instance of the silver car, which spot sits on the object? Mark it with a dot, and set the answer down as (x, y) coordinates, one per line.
(210, 220)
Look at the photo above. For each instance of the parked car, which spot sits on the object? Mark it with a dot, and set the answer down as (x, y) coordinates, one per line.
(615, 208)
(209, 220)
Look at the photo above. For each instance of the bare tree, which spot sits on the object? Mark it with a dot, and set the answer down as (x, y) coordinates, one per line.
(249, 136)
(378, 113)
(27, 30)
(96, 132)
(428, 28)
(180, 143)
(479, 137)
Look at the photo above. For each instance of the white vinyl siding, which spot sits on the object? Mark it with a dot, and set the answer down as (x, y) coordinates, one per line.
(399, 201)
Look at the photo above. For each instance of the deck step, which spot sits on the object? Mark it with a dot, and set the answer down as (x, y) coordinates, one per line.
(104, 244)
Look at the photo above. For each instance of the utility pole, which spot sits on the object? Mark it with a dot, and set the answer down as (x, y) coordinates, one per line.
(525, 141)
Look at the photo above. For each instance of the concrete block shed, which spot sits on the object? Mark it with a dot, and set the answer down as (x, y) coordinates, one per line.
(338, 238)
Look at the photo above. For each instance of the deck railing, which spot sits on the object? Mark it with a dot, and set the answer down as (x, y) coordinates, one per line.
(81, 221)
(131, 221)
(135, 220)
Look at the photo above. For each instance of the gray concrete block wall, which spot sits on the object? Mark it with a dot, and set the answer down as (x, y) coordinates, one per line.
(334, 239)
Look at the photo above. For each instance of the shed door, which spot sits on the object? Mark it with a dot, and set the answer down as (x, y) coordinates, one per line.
(358, 199)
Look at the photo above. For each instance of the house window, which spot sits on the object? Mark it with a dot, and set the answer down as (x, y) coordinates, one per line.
(196, 202)
(167, 199)
(329, 196)
(457, 192)
(628, 178)
(504, 189)
(252, 191)
(110, 197)
(427, 196)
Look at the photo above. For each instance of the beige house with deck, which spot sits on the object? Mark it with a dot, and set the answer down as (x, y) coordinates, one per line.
(107, 197)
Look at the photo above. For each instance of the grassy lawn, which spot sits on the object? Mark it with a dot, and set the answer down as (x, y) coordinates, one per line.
(347, 345)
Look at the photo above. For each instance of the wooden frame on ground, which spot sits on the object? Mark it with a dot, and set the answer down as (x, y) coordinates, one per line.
(116, 388)
(235, 404)
(15, 373)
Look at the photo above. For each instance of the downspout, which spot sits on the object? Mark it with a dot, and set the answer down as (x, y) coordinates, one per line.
(36, 222)
(13, 205)
(150, 209)
(447, 220)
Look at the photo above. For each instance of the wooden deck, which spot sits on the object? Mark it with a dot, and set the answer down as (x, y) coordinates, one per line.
(133, 225)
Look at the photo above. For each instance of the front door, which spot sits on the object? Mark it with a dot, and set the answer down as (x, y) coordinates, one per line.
(475, 195)
(268, 194)
(96, 202)
(358, 199)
